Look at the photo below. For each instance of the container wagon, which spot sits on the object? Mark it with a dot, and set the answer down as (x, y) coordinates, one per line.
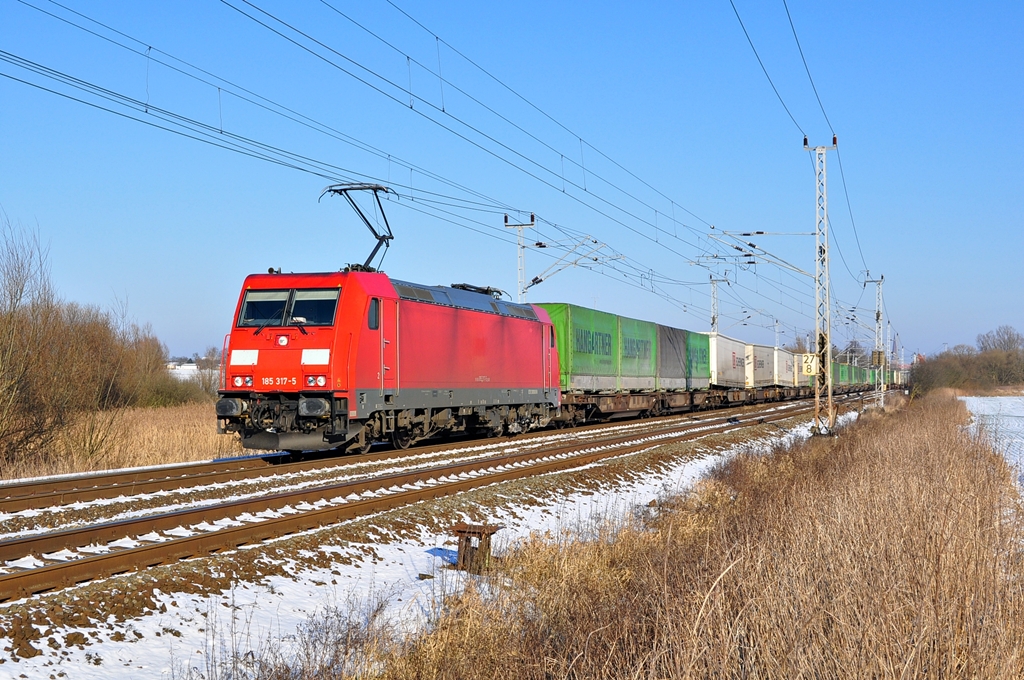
(727, 361)
(784, 368)
(758, 366)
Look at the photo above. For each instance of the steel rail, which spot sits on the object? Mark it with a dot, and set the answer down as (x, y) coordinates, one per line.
(41, 544)
(46, 493)
(63, 574)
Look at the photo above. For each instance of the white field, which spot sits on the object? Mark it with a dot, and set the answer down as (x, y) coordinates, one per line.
(1002, 420)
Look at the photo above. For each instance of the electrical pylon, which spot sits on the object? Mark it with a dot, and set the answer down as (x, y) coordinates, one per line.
(824, 408)
(878, 356)
(714, 301)
(521, 257)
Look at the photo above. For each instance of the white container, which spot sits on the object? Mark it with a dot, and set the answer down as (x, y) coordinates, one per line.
(728, 361)
(785, 365)
(758, 365)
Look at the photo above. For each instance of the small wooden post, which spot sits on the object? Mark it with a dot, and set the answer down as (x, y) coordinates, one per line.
(474, 545)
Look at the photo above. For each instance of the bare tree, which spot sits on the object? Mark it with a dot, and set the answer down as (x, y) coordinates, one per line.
(208, 373)
(798, 346)
(1005, 338)
(27, 304)
(963, 351)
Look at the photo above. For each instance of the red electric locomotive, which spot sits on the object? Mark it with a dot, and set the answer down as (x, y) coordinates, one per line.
(345, 359)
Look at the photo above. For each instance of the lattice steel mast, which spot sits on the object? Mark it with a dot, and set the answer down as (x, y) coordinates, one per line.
(878, 356)
(714, 301)
(521, 260)
(824, 413)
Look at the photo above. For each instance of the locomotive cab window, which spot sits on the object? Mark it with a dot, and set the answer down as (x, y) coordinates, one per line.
(373, 316)
(314, 307)
(263, 308)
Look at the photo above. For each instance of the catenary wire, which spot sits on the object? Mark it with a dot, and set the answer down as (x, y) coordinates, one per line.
(770, 82)
(546, 114)
(262, 156)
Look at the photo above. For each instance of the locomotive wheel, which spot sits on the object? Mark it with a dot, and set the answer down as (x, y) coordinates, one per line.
(402, 439)
(359, 448)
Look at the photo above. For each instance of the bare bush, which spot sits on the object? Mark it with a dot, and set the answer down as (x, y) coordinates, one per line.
(998, 361)
(66, 368)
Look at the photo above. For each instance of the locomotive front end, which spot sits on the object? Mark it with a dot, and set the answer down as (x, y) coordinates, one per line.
(283, 385)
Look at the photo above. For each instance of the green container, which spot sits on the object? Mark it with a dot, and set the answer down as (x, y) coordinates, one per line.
(603, 352)
(588, 343)
(698, 361)
(638, 355)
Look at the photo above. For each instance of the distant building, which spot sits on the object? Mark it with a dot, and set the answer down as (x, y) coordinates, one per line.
(183, 371)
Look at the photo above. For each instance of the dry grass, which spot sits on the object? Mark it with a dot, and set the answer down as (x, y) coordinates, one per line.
(892, 551)
(132, 437)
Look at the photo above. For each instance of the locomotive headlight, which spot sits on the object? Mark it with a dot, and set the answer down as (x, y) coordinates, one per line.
(310, 381)
(238, 381)
(282, 340)
(321, 381)
(248, 381)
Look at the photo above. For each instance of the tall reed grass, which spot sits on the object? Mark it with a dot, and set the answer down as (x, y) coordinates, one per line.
(128, 437)
(892, 551)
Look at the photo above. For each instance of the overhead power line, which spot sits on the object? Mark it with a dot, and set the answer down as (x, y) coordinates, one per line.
(540, 167)
(244, 94)
(807, 68)
(842, 173)
(547, 115)
(429, 203)
(763, 68)
(198, 131)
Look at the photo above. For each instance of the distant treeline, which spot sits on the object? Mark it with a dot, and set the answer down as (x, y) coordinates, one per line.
(997, 360)
(60, 360)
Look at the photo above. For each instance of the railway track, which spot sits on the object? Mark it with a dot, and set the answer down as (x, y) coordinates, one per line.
(61, 559)
(50, 492)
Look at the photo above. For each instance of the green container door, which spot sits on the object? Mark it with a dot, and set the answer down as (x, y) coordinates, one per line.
(698, 361)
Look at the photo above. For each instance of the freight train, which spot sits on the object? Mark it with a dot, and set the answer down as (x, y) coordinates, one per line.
(342, 360)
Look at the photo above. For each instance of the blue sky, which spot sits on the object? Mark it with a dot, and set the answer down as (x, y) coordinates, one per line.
(638, 129)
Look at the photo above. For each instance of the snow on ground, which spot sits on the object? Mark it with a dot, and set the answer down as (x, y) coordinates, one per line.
(1002, 419)
(193, 637)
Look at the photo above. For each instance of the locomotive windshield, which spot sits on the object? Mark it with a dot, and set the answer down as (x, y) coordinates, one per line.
(315, 307)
